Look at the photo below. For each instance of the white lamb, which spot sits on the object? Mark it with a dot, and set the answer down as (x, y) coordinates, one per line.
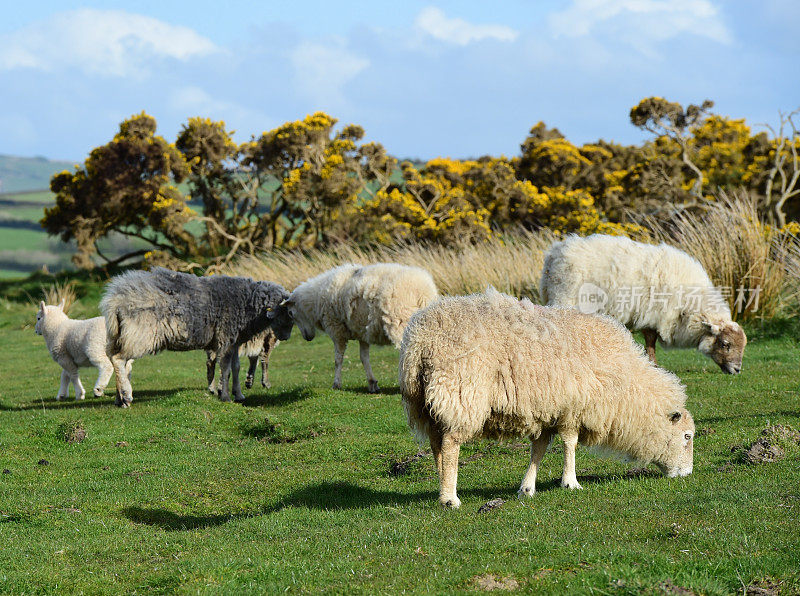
(74, 344)
(371, 304)
(488, 365)
(660, 290)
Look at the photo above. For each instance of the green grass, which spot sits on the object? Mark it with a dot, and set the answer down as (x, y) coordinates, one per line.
(292, 491)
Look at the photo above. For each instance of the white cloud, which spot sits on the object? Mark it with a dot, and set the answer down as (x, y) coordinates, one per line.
(641, 22)
(322, 70)
(194, 101)
(106, 42)
(432, 21)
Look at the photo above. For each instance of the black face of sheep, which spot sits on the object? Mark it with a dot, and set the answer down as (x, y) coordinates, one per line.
(272, 305)
(282, 322)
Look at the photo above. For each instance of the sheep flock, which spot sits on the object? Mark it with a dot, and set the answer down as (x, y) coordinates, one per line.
(486, 365)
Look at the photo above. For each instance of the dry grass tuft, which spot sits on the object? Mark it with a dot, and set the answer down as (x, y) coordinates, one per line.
(511, 265)
(739, 251)
(57, 292)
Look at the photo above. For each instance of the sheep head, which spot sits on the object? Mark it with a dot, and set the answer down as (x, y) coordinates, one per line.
(304, 323)
(678, 458)
(273, 299)
(724, 343)
(46, 310)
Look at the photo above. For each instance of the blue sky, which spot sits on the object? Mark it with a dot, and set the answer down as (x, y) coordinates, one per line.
(424, 78)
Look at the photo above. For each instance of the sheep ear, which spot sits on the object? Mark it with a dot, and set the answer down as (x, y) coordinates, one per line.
(674, 417)
(711, 327)
(62, 303)
(287, 303)
(41, 306)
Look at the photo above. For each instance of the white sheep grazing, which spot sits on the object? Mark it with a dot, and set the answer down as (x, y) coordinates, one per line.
(74, 344)
(660, 290)
(257, 349)
(370, 303)
(488, 365)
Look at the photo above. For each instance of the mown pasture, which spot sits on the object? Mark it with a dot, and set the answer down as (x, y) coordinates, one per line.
(308, 489)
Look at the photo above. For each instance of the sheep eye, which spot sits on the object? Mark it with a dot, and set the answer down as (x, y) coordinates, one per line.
(687, 436)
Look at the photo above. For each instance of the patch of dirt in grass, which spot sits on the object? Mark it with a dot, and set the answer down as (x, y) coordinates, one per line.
(772, 446)
(490, 583)
(667, 587)
(762, 451)
(72, 431)
(764, 587)
(491, 505)
(402, 467)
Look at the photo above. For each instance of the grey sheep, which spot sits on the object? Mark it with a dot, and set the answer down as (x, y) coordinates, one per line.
(150, 311)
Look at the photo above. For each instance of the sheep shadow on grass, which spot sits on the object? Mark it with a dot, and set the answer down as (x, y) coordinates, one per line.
(281, 398)
(395, 390)
(70, 403)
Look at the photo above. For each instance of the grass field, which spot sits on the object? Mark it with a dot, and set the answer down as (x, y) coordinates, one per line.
(294, 491)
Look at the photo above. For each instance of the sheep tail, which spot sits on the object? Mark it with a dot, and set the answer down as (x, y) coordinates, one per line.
(412, 386)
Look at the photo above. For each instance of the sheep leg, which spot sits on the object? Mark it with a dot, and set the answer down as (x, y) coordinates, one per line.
(122, 370)
(224, 375)
(211, 366)
(80, 392)
(570, 438)
(372, 382)
(72, 370)
(63, 390)
(235, 366)
(339, 346)
(251, 372)
(105, 369)
(538, 447)
(449, 477)
(269, 343)
(436, 448)
(650, 338)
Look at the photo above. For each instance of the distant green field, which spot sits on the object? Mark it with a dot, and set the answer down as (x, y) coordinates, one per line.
(304, 489)
(25, 173)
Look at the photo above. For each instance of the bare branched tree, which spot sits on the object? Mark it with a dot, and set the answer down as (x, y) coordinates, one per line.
(785, 165)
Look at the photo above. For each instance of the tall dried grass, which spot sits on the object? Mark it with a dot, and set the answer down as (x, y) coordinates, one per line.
(741, 253)
(512, 264)
(57, 292)
(738, 250)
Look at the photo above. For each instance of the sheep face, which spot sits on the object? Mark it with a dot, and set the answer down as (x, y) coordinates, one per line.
(44, 311)
(304, 323)
(271, 298)
(678, 457)
(281, 322)
(724, 344)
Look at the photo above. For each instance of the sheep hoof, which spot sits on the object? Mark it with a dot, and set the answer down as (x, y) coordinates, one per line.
(212, 390)
(453, 503)
(373, 387)
(97, 392)
(337, 385)
(80, 397)
(526, 492)
(248, 383)
(60, 397)
(266, 384)
(239, 399)
(571, 484)
(224, 397)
